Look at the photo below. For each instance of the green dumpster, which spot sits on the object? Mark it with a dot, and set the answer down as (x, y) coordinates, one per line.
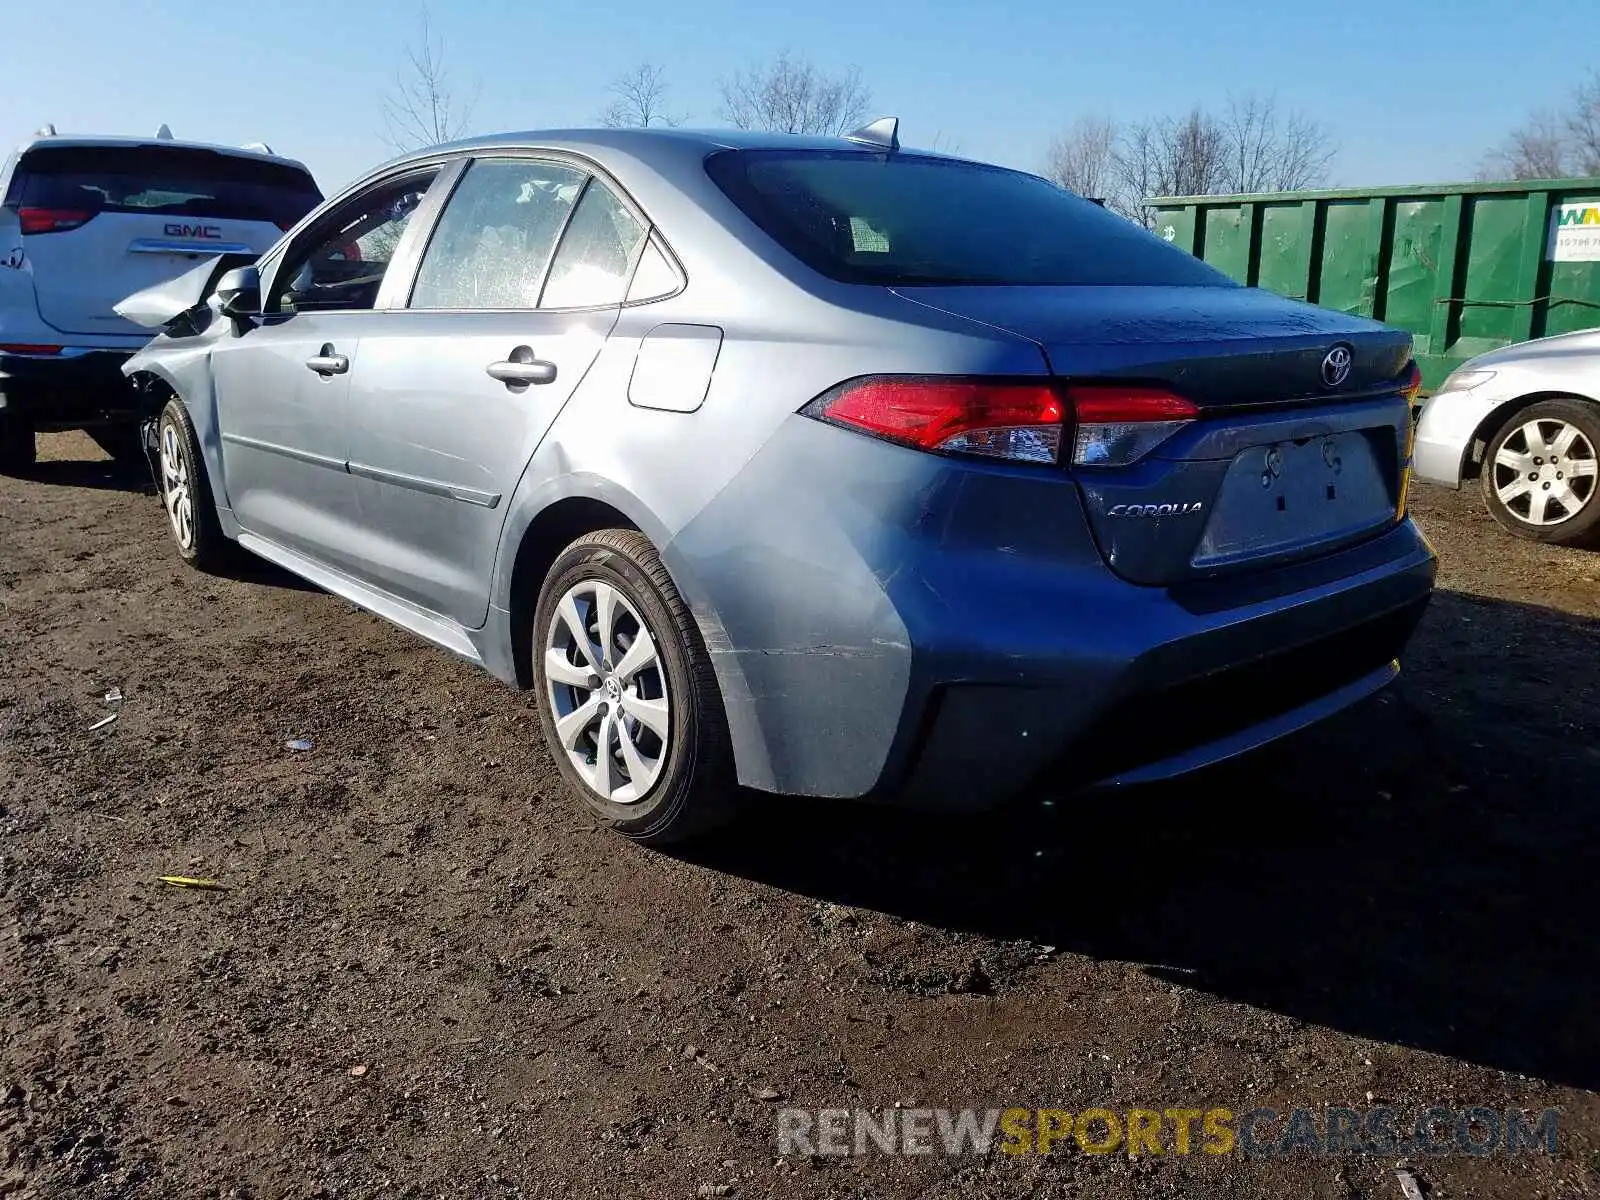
(1464, 267)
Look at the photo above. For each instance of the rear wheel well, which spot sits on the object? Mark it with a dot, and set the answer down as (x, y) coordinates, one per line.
(551, 532)
(1472, 468)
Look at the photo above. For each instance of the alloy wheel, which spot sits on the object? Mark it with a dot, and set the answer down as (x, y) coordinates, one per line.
(607, 689)
(175, 489)
(1545, 472)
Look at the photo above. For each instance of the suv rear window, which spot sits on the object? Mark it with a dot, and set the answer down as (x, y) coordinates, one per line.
(159, 181)
(903, 219)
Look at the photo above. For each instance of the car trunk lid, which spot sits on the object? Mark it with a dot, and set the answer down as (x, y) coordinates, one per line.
(1302, 434)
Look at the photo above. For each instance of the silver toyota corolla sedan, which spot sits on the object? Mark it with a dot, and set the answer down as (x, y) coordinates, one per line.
(1524, 421)
(805, 466)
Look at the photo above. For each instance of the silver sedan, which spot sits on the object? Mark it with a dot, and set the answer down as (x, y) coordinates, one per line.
(1524, 421)
(815, 467)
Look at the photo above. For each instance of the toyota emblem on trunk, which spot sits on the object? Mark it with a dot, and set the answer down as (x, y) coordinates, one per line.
(1336, 366)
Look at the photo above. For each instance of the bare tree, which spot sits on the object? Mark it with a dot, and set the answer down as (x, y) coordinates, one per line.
(1536, 151)
(641, 100)
(1253, 146)
(424, 109)
(1082, 159)
(1583, 127)
(1269, 150)
(792, 95)
(1168, 156)
(1548, 147)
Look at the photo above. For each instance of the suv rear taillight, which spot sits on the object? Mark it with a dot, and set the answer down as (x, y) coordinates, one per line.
(1019, 420)
(53, 220)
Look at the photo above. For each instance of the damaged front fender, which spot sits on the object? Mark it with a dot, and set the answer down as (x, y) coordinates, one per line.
(159, 306)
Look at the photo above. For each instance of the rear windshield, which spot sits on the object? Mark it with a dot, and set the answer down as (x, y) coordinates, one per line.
(162, 182)
(900, 219)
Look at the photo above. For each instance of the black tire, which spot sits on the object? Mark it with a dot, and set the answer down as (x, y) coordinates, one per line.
(17, 447)
(695, 789)
(1544, 473)
(206, 547)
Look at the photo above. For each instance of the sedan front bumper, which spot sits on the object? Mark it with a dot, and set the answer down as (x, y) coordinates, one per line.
(1449, 424)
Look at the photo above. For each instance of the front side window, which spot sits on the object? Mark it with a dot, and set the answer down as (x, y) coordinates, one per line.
(908, 219)
(596, 255)
(495, 237)
(341, 265)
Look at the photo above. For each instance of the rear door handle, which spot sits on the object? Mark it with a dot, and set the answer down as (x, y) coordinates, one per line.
(521, 368)
(325, 362)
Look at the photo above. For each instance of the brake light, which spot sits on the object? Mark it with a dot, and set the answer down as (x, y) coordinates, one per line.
(53, 220)
(1112, 424)
(1021, 421)
(1412, 385)
(27, 348)
(1119, 423)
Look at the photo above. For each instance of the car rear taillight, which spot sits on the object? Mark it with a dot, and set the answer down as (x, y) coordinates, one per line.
(52, 220)
(1118, 423)
(1411, 385)
(1019, 420)
(1106, 424)
(28, 348)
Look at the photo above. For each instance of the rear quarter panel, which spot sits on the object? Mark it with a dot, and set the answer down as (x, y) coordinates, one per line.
(785, 340)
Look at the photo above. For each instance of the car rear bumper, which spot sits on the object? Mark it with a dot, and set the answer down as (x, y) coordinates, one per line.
(889, 624)
(79, 385)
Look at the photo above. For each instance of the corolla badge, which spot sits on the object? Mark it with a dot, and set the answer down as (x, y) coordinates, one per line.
(1180, 509)
(1336, 366)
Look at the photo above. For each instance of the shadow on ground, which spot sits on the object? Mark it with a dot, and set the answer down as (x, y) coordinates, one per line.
(101, 474)
(1421, 870)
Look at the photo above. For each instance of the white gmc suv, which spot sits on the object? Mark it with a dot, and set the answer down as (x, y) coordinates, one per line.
(88, 221)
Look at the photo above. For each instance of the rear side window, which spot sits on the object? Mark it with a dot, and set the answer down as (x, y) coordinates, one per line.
(906, 219)
(596, 255)
(162, 182)
(496, 235)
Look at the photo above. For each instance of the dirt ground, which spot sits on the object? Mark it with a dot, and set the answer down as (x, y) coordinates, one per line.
(432, 976)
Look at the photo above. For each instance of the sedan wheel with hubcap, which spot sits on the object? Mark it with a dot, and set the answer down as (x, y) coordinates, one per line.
(175, 490)
(186, 494)
(628, 699)
(1545, 471)
(608, 692)
(1541, 470)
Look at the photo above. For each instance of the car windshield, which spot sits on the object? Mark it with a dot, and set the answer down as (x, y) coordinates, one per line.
(164, 182)
(901, 219)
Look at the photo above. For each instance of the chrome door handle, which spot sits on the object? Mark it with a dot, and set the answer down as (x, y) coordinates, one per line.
(521, 368)
(326, 362)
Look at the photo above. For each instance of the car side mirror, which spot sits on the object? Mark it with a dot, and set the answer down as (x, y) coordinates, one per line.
(239, 292)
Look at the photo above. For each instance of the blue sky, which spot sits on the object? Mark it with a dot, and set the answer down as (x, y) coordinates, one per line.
(1413, 91)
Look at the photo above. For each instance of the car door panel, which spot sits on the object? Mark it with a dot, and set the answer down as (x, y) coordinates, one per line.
(285, 430)
(454, 395)
(283, 383)
(438, 444)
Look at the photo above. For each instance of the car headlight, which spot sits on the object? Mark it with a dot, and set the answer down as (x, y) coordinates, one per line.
(1465, 379)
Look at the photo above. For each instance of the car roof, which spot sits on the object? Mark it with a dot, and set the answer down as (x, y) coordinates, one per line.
(91, 141)
(645, 143)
